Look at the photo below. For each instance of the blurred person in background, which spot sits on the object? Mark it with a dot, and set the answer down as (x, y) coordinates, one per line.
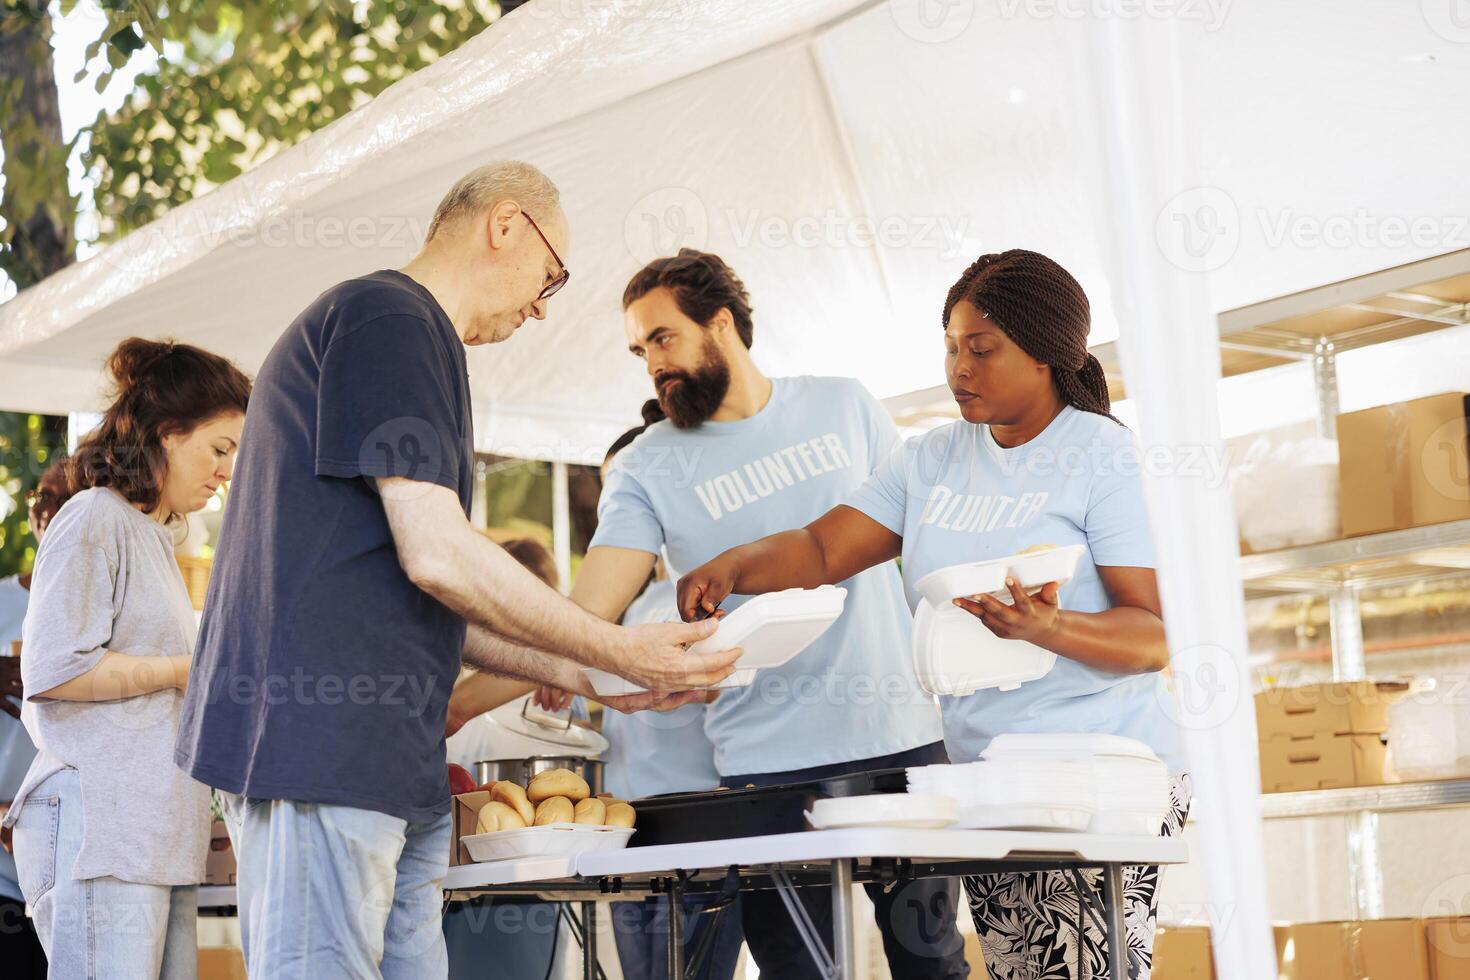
(110, 836)
(20, 947)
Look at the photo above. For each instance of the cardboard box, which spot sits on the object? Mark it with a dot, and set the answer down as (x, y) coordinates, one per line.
(221, 963)
(1324, 762)
(1341, 708)
(219, 864)
(1183, 953)
(466, 809)
(1382, 949)
(1404, 465)
(1448, 942)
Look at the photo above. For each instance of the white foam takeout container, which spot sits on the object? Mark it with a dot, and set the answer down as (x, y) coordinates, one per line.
(1031, 570)
(770, 629)
(550, 840)
(955, 654)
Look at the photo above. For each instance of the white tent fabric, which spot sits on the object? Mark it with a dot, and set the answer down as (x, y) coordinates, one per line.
(849, 158)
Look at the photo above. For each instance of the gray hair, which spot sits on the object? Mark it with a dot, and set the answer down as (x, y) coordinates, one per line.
(503, 180)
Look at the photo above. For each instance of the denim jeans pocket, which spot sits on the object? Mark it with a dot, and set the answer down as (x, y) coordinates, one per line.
(35, 846)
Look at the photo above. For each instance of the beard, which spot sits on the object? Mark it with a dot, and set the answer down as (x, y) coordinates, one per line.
(698, 393)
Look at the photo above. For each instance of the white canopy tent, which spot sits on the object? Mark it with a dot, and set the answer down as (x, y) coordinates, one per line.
(849, 158)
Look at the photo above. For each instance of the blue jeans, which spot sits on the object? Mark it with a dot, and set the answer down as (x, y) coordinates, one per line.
(100, 928)
(338, 892)
(505, 939)
(917, 919)
(641, 930)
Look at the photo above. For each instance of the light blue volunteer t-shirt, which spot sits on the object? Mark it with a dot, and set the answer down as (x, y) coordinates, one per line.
(653, 752)
(956, 496)
(16, 749)
(694, 493)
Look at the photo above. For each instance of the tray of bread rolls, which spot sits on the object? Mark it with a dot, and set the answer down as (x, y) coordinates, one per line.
(722, 814)
(555, 814)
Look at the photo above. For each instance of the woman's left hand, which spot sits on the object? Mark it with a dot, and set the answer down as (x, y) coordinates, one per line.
(1033, 618)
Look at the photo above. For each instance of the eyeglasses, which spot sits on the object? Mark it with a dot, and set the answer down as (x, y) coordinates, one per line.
(549, 290)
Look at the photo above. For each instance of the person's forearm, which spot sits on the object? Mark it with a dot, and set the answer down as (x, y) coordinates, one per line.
(495, 654)
(789, 560)
(118, 676)
(495, 591)
(1121, 640)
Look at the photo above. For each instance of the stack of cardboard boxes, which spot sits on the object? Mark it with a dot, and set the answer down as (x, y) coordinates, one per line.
(1325, 736)
(1382, 949)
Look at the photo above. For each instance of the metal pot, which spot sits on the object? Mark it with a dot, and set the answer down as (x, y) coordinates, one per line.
(522, 770)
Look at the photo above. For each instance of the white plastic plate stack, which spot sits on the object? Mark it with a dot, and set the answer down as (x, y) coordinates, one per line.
(1010, 794)
(929, 812)
(1130, 783)
(770, 629)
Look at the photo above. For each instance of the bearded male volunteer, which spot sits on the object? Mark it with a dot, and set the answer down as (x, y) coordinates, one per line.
(349, 580)
(742, 455)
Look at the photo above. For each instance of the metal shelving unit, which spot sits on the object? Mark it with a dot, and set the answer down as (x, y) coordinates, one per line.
(1378, 799)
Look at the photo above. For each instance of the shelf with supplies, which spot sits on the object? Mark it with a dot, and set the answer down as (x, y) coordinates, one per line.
(1384, 559)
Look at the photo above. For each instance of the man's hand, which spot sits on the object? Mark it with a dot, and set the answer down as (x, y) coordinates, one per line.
(655, 656)
(653, 701)
(10, 686)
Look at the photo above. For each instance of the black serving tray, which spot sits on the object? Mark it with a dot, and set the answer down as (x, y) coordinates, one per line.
(682, 818)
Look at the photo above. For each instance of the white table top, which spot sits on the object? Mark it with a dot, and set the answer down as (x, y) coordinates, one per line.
(811, 846)
(884, 842)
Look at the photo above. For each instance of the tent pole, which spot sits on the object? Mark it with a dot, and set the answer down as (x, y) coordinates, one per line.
(1171, 363)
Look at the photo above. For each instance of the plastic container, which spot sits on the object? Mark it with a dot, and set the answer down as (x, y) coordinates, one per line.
(551, 840)
(1429, 737)
(1032, 570)
(927, 812)
(770, 629)
(954, 654)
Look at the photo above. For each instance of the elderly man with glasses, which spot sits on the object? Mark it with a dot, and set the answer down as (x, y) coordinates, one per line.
(348, 582)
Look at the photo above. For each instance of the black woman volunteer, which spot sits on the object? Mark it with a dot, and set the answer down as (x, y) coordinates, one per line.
(1036, 460)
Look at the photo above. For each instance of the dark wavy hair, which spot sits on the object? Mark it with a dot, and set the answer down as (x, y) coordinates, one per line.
(702, 285)
(161, 388)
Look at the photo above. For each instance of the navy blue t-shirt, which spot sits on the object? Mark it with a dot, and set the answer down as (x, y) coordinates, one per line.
(322, 674)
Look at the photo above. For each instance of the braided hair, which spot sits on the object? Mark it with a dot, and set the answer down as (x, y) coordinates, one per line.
(1043, 309)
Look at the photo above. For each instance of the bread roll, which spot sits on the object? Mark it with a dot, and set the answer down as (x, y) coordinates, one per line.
(558, 782)
(514, 797)
(1033, 549)
(590, 811)
(558, 809)
(620, 815)
(496, 816)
